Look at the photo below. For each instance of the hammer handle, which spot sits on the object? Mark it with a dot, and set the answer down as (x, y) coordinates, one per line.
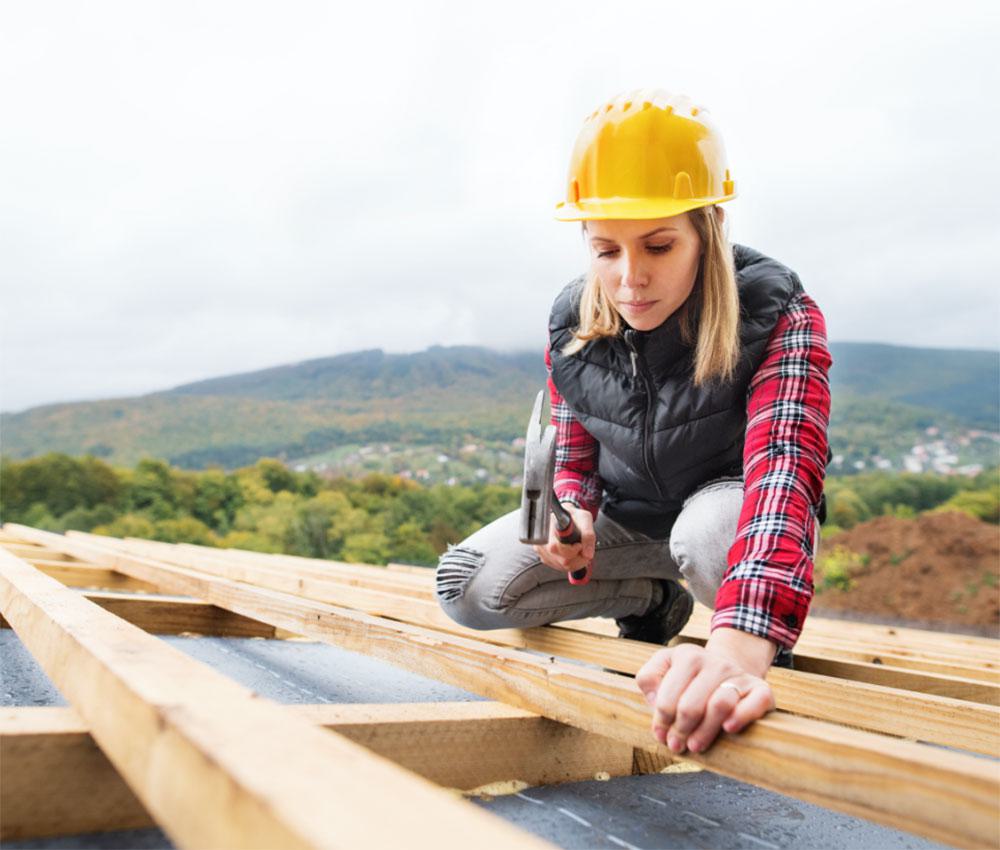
(568, 534)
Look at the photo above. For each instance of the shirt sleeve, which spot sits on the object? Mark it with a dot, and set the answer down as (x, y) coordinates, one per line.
(576, 480)
(768, 584)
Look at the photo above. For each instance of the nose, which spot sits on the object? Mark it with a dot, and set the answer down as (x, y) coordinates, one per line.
(634, 274)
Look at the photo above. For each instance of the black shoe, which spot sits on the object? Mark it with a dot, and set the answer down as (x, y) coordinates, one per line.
(783, 658)
(665, 621)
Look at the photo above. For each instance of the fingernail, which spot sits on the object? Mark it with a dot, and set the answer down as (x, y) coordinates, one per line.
(676, 744)
(660, 734)
(694, 746)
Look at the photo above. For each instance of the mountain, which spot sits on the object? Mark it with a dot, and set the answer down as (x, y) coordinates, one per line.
(963, 383)
(882, 393)
(296, 410)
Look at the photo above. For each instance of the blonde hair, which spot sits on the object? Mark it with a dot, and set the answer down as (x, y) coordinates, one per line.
(713, 306)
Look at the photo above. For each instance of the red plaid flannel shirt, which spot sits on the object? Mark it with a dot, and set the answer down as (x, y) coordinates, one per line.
(768, 584)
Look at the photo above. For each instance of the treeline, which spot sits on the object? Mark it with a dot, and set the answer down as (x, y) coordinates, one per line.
(264, 507)
(375, 519)
(856, 498)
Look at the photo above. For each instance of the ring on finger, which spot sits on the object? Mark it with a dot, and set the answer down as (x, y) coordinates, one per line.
(735, 687)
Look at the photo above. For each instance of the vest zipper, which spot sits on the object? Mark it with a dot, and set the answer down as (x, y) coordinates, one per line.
(639, 366)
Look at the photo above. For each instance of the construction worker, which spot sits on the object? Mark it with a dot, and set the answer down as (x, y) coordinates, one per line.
(689, 387)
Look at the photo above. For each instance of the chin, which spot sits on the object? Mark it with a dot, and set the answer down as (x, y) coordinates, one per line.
(646, 323)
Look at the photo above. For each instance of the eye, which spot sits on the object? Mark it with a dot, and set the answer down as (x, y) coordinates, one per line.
(607, 253)
(660, 249)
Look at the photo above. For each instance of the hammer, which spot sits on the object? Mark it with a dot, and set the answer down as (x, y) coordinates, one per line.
(538, 499)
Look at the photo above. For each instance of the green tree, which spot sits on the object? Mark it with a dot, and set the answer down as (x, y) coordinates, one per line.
(409, 544)
(846, 508)
(982, 504)
(217, 498)
(152, 489)
(59, 482)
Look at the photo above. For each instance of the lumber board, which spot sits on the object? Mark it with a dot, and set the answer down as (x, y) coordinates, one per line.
(176, 615)
(257, 566)
(982, 665)
(867, 633)
(863, 655)
(820, 627)
(30, 551)
(426, 611)
(200, 751)
(54, 779)
(90, 576)
(946, 796)
(937, 717)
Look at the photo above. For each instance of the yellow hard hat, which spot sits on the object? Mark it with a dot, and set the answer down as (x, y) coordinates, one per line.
(645, 154)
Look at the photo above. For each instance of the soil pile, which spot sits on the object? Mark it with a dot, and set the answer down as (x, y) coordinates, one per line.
(940, 569)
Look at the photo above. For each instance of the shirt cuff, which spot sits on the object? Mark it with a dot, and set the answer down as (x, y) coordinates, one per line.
(576, 493)
(768, 609)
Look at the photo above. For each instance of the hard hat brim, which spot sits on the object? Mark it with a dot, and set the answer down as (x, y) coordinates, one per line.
(632, 208)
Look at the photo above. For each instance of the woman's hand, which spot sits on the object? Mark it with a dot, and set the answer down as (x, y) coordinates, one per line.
(577, 555)
(694, 691)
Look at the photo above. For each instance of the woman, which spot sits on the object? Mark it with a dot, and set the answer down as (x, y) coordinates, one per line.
(690, 392)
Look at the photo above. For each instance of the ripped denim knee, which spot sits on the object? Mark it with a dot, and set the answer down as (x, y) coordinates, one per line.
(455, 568)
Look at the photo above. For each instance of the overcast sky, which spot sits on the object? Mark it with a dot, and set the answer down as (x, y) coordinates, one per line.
(192, 189)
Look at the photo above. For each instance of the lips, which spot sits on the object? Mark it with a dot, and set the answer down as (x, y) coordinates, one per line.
(637, 306)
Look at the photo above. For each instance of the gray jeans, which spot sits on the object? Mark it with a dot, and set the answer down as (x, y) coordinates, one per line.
(493, 581)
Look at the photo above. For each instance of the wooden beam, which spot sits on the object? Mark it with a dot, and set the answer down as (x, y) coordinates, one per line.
(932, 713)
(202, 753)
(54, 779)
(176, 615)
(35, 552)
(821, 628)
(333, 584)
(89, 576)
(943, 795)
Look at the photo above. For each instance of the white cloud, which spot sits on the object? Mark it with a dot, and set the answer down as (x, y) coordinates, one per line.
(193, 189)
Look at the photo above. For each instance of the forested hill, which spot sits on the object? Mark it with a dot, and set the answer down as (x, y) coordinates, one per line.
(442, 397)
(365, 376)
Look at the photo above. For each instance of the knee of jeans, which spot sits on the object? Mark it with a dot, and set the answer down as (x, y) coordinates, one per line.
(701, 553)
(456, 568)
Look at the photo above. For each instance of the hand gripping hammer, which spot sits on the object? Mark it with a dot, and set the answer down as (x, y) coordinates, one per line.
(538, 499)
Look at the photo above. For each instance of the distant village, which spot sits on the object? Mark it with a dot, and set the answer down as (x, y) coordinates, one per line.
(940, 453)
(962, 452)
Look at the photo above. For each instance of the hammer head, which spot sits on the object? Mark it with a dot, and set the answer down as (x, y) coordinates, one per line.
(539, 468)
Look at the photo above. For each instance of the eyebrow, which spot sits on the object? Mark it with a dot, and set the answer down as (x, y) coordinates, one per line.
(644, 235)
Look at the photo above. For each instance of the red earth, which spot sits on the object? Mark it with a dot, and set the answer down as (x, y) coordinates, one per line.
(937, 570)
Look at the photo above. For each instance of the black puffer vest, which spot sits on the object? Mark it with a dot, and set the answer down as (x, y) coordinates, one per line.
(660, 436)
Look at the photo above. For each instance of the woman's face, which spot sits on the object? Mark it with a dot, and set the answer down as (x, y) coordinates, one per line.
(646, 267)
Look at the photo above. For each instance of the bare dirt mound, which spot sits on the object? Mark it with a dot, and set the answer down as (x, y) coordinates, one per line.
(937, 568)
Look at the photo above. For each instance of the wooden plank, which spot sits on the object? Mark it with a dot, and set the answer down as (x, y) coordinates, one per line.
(938, 717)
(819, 652)
(943, 795)
(201, 752)
(189, 554)
(54, 779)
(265, 570)
(176, 615)
(867, 634)
(89, 576)
(32, 551)
(427, 612)
(981, 668)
